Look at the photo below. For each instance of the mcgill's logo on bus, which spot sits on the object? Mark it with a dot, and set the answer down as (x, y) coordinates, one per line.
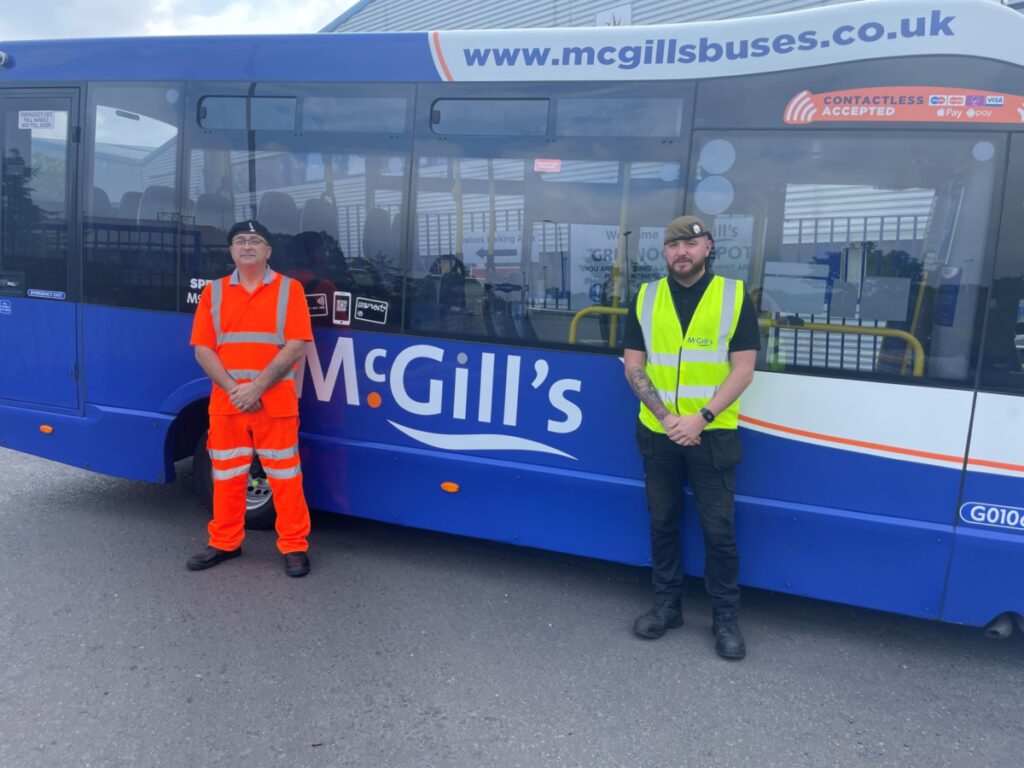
(452, 392)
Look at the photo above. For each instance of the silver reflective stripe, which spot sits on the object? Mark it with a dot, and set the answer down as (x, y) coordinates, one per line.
(215, 299)
(728, 305)
(249, 337)
(704, 356)
(647, 317)
(283, 474)
(230, 453)
(660, 358)
(695, 392)
(668, 398)
(282, 306)
(227, 474)
(241, 373)
(278, 453)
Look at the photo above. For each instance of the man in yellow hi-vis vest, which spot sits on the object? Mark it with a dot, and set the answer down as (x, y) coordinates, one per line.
(691, 340)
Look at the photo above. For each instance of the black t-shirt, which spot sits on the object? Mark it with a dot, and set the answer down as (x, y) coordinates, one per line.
(747, 336)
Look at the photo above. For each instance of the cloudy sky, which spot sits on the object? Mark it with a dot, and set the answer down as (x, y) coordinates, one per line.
(33, 19)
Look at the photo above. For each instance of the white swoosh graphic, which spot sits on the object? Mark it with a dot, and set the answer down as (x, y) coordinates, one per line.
(478, 442)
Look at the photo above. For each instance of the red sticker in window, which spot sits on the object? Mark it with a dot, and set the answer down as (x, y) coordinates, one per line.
(546, 165)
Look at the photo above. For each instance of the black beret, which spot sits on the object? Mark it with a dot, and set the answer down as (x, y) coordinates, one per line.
(248, 227)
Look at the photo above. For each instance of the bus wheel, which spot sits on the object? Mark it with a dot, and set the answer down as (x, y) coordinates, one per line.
(259, 498)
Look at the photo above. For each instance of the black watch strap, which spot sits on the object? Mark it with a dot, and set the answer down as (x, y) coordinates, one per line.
(707, 414)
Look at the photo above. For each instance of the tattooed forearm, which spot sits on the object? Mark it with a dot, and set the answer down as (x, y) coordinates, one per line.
(644, 389)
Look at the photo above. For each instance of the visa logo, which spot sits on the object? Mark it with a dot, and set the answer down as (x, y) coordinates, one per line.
(993, 101)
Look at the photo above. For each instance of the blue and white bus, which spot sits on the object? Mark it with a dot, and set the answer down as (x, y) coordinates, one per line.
(471, 214)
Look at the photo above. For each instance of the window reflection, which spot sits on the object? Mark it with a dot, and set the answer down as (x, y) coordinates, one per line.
(882, 236)
(515, 248)
(131, 226)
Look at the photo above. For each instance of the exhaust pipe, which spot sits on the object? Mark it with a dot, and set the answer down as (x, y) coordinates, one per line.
(1001, 627)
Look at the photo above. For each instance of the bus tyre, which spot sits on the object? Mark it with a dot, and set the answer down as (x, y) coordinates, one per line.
(259, 498)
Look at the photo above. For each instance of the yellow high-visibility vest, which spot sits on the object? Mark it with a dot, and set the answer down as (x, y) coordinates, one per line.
(687, 370)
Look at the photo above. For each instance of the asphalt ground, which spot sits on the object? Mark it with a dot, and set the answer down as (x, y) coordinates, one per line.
(411, 648)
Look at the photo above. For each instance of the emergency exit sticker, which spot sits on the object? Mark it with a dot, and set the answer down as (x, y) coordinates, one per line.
(37, 119)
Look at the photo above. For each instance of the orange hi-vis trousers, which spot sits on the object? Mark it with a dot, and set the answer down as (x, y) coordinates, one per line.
(233, 440)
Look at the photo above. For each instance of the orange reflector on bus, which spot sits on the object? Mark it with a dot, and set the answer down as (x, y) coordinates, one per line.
(46, 429)
(450, 487)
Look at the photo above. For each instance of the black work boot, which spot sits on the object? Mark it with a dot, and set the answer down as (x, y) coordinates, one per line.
(209, 557)
(662, 616)
(296, 564)
(728, 638)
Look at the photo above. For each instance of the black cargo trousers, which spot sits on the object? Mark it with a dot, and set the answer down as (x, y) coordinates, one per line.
(710, 469)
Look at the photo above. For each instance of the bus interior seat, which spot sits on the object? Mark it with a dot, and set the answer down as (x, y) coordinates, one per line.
(128, 207)
(213, 210)
(278, 213)
(156, 203)
(99, 204)
(320, 215)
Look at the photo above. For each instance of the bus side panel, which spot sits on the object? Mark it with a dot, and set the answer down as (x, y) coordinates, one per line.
(986, 577)
(38, 352)
(854, 445)
(574, 512)
(113, 441)
(877, 562)
(136, 359)
(886, 563)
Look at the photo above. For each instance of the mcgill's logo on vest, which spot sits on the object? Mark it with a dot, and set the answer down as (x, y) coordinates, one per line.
(700, 341)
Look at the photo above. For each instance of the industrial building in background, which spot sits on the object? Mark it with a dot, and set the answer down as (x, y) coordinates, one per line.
(413, 15)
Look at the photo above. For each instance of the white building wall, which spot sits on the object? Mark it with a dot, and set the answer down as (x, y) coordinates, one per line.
(418, 15)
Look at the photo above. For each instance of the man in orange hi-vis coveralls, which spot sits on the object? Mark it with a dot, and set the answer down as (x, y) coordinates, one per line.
(249, 333)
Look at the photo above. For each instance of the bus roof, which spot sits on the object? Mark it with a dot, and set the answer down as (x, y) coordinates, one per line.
(872, 29)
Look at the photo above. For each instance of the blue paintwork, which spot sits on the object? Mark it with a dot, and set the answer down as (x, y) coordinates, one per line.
(139, 360)
(376, 58)
(113, 441)
(986, 574)
(858, 482)
(38, 352)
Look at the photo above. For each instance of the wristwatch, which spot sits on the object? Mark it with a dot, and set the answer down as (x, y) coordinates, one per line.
(708, 415)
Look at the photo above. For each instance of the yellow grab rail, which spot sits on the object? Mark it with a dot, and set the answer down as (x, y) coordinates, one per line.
(594, 310)
(912, 341)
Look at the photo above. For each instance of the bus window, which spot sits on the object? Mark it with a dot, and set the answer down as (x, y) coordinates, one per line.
(546, 240)
(34, 197)
(490, 117)
(1002, 367)
(332, 193)
(131, 216)
(865, 254)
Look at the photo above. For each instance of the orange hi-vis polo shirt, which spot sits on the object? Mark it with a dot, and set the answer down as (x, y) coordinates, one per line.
(247, 330)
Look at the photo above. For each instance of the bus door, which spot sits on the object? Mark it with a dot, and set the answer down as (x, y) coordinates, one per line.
(987, 565)
(38, 316)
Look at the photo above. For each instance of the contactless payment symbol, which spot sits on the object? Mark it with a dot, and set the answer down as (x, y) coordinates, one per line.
(317, 303)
